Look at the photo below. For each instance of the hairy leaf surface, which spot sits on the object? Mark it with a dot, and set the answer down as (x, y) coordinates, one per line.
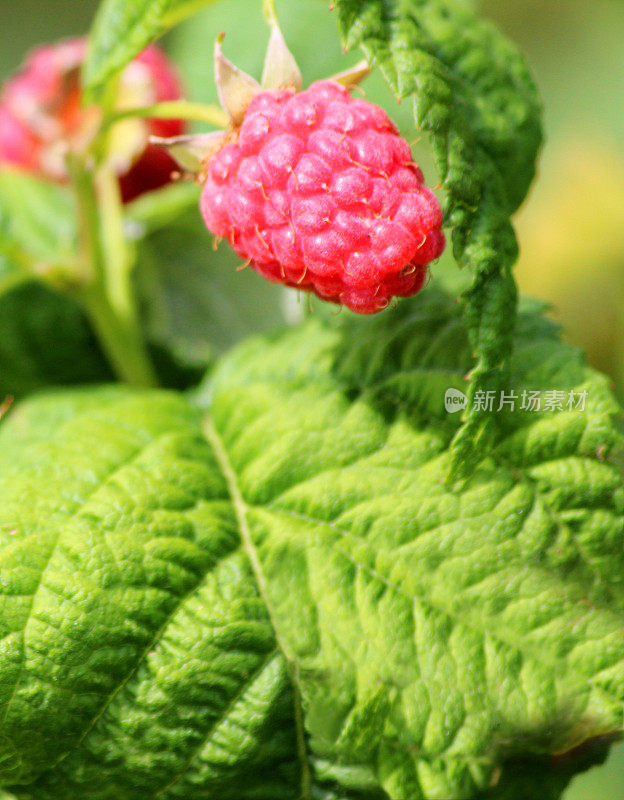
(279, 596)
(436, 630)
(135, 644)
(475, 98)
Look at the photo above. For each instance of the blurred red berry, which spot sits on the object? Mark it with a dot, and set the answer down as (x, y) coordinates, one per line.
(41, 115)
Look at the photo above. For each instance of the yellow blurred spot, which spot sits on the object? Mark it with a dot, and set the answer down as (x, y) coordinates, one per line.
(571, 234)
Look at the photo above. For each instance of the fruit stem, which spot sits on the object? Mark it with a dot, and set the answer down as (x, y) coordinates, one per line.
(105, 288)
(176, 109)
(268, 7)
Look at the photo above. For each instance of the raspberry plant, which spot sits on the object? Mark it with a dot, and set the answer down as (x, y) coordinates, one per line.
(300, 578)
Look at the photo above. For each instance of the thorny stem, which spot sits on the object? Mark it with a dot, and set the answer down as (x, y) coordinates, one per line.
(105, 287)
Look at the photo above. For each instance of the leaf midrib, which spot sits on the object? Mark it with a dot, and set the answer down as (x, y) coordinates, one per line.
(240, 508)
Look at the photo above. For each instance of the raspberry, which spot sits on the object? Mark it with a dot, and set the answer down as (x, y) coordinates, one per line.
(317, 190)
(41, 115)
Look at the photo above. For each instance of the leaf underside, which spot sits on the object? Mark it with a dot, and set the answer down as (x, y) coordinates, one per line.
(475, 97)
(273, 593)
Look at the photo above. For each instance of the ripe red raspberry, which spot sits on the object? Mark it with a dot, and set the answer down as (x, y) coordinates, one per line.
(317, 190)
(41, 115)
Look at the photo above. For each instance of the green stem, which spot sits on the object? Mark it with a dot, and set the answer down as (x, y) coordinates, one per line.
(175, 109)
(105, 291)
(125, 354)
(268, 8)
(117, 258)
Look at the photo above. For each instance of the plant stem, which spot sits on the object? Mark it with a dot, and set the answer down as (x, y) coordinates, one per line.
(117, 258)
(268, 8)
(126, 355)
(175, 109)
(105, 287)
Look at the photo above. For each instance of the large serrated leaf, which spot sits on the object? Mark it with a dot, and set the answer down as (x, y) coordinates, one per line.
(437, 630)
(474, 96)
(131, 625)
(184, 591)
(122, 28)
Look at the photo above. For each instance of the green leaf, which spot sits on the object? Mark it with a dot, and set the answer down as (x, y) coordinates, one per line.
(45, 340)
(122, 28)
(37, 226)
(35, 421)
(135, 644)
(436, 630)
(279, 596)
(474, 96)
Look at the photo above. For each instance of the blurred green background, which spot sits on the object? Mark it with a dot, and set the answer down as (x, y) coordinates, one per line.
(571, 228)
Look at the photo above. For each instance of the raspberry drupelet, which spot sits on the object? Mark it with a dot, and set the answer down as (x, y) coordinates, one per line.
(317, 190)
(41, 115)
(314, 189)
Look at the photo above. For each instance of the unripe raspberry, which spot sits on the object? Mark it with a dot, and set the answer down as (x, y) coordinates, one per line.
(41, 115)
(317, 190)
